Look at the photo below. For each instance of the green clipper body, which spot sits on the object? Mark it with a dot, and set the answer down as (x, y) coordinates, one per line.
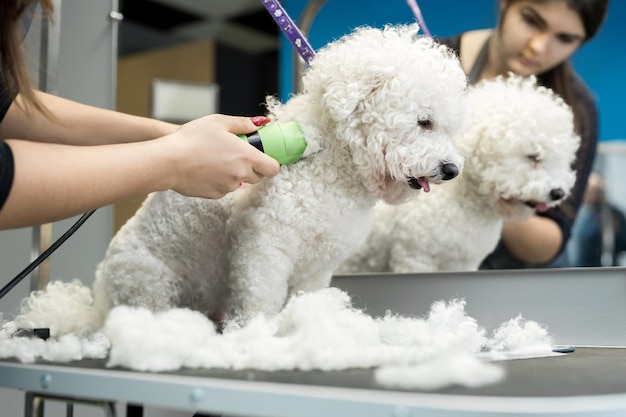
(282, 141)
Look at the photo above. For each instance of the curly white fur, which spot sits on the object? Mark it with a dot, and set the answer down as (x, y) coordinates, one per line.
(378, 110)
(364, 98)
(519, 146)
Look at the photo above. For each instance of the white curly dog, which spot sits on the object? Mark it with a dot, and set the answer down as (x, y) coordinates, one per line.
(378, 110)
(519, 144)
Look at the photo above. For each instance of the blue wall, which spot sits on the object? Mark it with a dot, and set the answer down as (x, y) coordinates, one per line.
(599, 63)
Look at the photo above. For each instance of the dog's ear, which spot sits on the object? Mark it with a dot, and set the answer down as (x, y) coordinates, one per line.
(345, 73)
(342, 99)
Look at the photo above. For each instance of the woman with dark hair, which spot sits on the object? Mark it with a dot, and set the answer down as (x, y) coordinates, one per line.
(537, 37)
(59, 158)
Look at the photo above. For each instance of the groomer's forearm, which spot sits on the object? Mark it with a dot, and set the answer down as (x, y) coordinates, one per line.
(112, 127)
(79, 124)
(534, 241)
(52, 182)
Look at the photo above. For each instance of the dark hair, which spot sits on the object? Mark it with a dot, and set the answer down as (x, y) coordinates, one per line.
(14, 72)
(592, 14)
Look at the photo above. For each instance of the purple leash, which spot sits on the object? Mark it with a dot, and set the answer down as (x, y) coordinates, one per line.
(297, 39)
(290, 29)
(418, 15)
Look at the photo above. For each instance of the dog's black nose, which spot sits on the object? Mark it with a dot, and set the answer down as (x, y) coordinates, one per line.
(557, 194)
(450, 171)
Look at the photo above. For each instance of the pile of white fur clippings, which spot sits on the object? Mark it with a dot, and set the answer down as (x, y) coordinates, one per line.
(315, 331)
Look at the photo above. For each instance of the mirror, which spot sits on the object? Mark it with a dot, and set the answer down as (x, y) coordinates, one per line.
(248, 43)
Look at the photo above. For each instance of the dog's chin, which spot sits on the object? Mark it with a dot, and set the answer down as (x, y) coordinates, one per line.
(514, 209)
(397, 192)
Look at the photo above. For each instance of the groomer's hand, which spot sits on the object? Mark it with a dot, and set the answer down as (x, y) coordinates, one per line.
(211, 161)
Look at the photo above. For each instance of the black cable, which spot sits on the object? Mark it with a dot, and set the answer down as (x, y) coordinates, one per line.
(34, 264)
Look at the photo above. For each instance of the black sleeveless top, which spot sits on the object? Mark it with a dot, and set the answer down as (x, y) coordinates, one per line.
(6, 156)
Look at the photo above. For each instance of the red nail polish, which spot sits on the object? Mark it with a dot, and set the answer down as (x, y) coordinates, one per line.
(260, 120)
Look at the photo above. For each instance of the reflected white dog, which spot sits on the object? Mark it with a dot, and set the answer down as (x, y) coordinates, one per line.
(519, 146)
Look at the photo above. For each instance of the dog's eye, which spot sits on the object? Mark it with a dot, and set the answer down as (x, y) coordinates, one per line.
(534, 158)
(425, 124)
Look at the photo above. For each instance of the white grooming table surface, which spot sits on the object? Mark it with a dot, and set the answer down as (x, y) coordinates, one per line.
(578, 307)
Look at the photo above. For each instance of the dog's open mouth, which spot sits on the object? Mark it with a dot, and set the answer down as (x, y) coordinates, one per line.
(419, 183)
(540, 207)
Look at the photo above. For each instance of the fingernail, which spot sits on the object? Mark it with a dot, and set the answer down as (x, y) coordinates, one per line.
(260, 120)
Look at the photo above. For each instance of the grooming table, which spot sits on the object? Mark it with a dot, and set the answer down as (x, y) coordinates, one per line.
(589, 382)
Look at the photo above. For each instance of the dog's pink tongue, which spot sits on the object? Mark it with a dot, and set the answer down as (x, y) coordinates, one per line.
(541, 207)
(424, 183)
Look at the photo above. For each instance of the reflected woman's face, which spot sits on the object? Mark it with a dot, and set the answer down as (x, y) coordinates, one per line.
(536, 37)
